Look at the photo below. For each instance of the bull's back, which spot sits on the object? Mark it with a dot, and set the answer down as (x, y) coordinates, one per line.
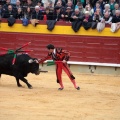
(6, 66)
(22, 58)
(6, 60)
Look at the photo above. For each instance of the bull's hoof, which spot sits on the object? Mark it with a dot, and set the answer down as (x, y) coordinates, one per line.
(30, 87)
(19, 85)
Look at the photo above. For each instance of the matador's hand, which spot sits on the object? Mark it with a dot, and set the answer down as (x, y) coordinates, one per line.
(64, 61)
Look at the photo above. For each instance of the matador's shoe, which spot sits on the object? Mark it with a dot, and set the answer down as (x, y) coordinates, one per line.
(78, 88)
(60, 88)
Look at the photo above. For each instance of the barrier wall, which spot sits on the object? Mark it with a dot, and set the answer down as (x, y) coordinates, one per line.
(84, 46)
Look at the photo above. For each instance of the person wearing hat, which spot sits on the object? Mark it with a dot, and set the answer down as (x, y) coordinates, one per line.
(58, 14)
(60, 57)
(68, 14)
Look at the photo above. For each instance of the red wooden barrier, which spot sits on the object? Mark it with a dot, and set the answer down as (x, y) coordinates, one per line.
(82, 48)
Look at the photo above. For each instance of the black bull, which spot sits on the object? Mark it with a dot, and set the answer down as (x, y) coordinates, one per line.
(24, 64)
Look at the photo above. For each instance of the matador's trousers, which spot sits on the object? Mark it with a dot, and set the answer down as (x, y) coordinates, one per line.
(64, 66)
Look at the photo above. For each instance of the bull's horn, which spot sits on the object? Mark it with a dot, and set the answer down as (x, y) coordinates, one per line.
(36, 61)
(30, 61)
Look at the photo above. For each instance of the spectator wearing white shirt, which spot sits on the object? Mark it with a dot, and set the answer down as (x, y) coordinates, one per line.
(115, 21)
(105, 20)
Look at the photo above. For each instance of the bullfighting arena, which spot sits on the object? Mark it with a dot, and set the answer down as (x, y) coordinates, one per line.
(98, 99)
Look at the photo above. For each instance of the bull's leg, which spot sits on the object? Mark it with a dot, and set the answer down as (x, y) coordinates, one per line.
(18, 83)
(25, 81)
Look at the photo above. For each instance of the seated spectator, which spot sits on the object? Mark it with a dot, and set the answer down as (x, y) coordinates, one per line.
(116, 6)
(107, 18)
(102, 3)
(28, 13)
(68, 14)
(47, 2)
(86, 2)
(87, 20)
(50, 5)
(35, 2)
(5, 6)
(69, 4)
(40, 4)
(10, 11)
(107, 9)
(59, 4)
(77, 15)
(112, 4)
(97, 6)
(19, 13)
(18, 5)
(97, 16)
(115, 21)
(76, 6)
(1, 10)
(90, 9)
(23, 2)
(28, 4)
(49, 13)
(77, 18)
(62, 8)
(80, 7)
(58, 14)
(37, 14)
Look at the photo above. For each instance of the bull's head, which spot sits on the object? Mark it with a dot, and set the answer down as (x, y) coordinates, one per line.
(34, 63)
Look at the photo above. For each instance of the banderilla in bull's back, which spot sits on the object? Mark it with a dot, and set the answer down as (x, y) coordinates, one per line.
(18, 50)
(15, 52)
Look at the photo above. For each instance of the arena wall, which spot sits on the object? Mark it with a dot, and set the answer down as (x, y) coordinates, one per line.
(87, 47)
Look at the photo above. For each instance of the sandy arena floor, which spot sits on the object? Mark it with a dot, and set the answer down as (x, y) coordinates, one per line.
(98, 99)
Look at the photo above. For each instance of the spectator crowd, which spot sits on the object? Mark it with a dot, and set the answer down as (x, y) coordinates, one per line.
(93, 14)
